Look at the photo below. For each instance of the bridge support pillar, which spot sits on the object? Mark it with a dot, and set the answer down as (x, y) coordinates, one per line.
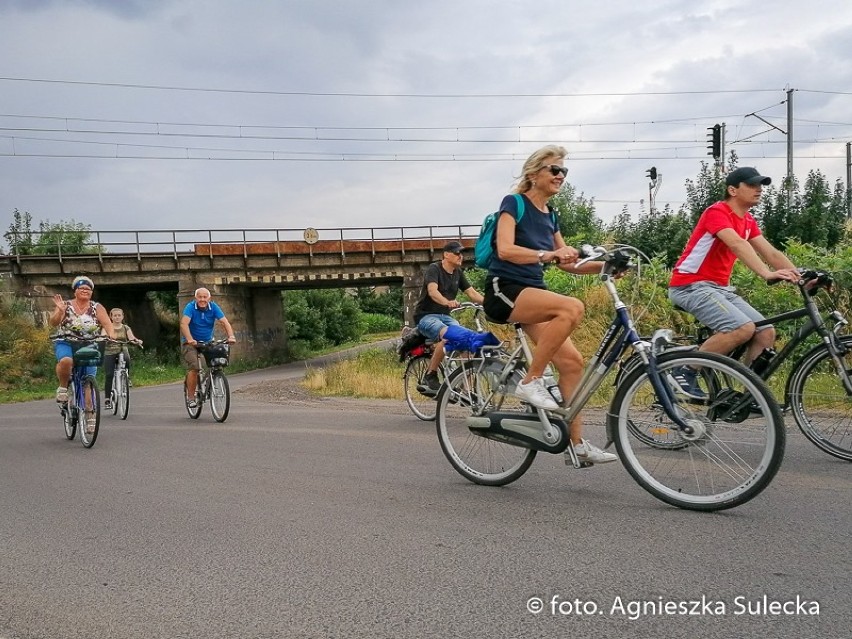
(412, 282)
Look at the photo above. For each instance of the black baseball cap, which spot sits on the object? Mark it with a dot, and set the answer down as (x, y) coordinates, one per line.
(453, 247)
(747, 174)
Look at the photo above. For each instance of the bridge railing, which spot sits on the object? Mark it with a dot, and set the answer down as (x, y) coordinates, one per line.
(143, 243)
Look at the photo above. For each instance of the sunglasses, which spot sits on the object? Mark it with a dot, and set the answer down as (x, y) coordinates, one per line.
(555, 170)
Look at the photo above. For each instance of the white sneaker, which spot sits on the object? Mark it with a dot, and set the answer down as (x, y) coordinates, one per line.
(535, 393)
(62, 395)
(588, 452)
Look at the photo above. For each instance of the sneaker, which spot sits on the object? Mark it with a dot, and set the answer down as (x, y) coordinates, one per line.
(129, 383)
(588, 452)
(430, 385)
(685, 380)
(62, 395)
(192, 404)
(536, 394)
(107, 405)
(91, 422)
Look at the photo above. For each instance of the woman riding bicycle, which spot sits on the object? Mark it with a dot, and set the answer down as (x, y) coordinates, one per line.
(515, 289)
(79, 317)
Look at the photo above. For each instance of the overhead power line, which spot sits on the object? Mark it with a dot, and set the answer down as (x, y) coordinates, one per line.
(157, 87)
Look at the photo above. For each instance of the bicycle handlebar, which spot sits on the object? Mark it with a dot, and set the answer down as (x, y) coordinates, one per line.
(616, 260)
(463, 305)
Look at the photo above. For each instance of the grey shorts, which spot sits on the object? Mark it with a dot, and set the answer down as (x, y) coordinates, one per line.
(717, 307)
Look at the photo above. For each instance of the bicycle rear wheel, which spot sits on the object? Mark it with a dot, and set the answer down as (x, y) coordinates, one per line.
(122, 403)
(69, 412)
(220, 396)
(196, 411)
(735, 451)
(423, 406)
(474, 389)
(91, 407)
(820, 404)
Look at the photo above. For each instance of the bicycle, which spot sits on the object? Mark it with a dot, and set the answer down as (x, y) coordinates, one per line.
(715, 461)
(83, 395)
(212, 383)
(419, 356)
(120, 391)
(818, 389)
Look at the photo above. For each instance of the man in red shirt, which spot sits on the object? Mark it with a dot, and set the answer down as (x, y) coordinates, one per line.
(700, 282)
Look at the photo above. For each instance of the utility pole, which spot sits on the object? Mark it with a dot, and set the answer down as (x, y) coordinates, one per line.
(790, 148)
(849, 179)
(656, 179)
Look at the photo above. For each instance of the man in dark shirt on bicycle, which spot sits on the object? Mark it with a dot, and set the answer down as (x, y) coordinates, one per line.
(441, 283)
(700, 282)
(196, 325)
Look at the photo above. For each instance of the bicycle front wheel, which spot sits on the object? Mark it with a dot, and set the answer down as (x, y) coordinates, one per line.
(195, 411)
(122, 392)
(220, 396)
(69, 412)
(89, 413)
(423, 406)
(475, 389)
(736, 445)
(821, 406)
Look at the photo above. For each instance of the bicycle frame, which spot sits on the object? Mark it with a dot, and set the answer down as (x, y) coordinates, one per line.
(816, 323)
(620, 335)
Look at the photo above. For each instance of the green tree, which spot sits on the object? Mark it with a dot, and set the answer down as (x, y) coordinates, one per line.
(576, 214)
(388, 303)
(708, 188)
(657, 233)
(20, 233)
(65, 238)
(322, 317)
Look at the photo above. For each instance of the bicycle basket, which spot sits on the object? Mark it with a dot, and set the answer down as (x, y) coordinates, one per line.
(216, 355)
(89, 355)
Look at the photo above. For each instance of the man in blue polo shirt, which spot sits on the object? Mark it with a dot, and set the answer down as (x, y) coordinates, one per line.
(196, 325)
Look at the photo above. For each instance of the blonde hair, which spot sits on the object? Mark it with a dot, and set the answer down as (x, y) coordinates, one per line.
(536, 162)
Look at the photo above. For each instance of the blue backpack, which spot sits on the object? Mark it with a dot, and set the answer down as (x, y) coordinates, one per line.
(486, 244)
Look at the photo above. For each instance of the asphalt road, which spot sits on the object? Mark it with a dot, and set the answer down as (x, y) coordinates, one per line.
(345, 520)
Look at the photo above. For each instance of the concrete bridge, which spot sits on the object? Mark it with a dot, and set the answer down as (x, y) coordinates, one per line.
(245, 270)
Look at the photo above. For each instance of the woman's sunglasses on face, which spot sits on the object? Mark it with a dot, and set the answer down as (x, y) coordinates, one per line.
(555, 170)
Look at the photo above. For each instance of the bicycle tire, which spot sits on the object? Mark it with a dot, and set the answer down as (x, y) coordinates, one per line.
(194, 413)
(69, 413)
(122, 405)
(220, 396)
(92, 397)
(650, 434)
(423, 406)
(471, 389)
(113, 393)
(819, 402)
(731, 458)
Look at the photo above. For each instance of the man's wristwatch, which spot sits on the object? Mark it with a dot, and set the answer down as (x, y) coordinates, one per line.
(541, 257)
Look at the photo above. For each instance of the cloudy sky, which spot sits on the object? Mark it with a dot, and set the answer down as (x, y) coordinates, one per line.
(226, 114)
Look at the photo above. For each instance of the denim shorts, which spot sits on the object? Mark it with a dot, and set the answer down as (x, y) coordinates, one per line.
(717, 307)
(432, 325)
(64, 349)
